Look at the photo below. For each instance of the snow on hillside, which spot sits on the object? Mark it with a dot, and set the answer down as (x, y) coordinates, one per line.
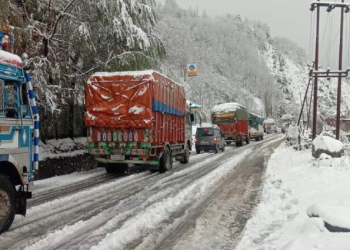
(293, 78)
(296, 185)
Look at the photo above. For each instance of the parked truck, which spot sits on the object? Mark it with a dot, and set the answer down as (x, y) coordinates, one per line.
(137, 118)
(256, 129)
(232, 118)
(19, 133)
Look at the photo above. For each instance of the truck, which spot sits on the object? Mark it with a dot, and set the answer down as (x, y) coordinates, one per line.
(232, 119)
(19, 132)
(270, 126)
(256, 129)
(138, 118)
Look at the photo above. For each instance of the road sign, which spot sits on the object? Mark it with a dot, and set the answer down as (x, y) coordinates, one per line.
(192, 70)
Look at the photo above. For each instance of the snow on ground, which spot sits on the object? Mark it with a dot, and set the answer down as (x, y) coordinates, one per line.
(62, 148)
(60, 181)
(294, 182)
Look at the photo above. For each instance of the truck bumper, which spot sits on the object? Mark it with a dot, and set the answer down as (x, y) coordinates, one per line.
(104, 160)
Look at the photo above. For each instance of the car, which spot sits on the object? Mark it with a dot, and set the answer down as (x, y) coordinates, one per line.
(209, 138)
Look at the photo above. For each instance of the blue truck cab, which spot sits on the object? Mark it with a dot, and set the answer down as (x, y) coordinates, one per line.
(19, 133)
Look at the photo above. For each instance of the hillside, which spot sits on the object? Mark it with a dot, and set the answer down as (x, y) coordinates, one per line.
(238, 60)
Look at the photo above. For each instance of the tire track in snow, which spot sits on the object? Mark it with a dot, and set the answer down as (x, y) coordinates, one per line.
(130, 193)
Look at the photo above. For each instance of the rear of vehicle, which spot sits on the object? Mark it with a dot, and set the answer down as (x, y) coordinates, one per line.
(256, 130)
(270, 126)
(209, 138)
(136, 118)
(232, 119)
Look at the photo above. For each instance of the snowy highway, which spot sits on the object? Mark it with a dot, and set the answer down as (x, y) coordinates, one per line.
(202, 205)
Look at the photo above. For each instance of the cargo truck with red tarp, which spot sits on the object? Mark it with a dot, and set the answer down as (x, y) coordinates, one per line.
(137, 118)
(232, 118)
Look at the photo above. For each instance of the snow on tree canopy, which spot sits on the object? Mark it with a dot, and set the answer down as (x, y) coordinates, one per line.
(10, 59)
(227, 108)
(327, 143)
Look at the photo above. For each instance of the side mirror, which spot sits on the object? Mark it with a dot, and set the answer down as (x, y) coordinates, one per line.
(192, 117)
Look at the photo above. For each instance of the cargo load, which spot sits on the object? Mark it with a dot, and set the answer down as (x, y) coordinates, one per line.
(137, 117)
(232, 118)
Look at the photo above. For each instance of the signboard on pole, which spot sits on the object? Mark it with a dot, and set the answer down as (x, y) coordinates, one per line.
(192, 70)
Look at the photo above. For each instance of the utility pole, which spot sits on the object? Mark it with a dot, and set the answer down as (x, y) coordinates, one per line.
(316, 73)
(337, 133)
(314, 120)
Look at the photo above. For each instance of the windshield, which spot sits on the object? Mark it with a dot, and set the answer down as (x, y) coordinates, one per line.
(205, 132)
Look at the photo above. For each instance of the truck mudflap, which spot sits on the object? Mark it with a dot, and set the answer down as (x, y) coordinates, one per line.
(21, 200)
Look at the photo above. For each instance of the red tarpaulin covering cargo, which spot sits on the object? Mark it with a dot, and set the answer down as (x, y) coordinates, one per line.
(136, 100)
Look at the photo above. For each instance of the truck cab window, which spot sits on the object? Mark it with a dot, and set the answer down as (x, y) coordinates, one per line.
(10, 99)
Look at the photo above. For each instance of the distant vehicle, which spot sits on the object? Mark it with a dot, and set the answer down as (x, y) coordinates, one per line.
(209, 138)
(256, 129)
(19, 135)
(232, 119)
(137, 118)
(270, 126)
(286, 120)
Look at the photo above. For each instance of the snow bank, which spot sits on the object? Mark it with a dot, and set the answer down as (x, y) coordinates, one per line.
(226, 108)
(327, 143)
(335, 216)
(63, 148)
(294, 181)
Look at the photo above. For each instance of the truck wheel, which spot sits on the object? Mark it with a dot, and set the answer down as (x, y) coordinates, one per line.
(262, 137)
(258, 138)
(239, 143)
(166, 161)
(7, 203)
(247, 139)
(216, 150)
(186, 158)
(198, 151)
(116, 168)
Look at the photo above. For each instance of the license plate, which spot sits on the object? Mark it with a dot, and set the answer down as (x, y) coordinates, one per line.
(118, 157)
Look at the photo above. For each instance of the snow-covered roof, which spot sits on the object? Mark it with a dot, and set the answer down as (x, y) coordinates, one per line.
(226, 107)
(10, 59)
(287, 117)
(131, 73)
(124, 73)
(270, 120)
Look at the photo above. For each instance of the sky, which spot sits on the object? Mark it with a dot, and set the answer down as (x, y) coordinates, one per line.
(286, 18)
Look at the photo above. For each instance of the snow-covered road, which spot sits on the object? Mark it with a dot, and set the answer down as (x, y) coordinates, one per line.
(144, 210)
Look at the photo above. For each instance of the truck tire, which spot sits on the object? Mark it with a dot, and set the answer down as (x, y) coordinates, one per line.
(198, 151)
(216, 150)
(258, 138)
(247, 139)
(262, 137)
(116, 168)
(7, 203)
(166, 161)
(186, 158)
(239, 143)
